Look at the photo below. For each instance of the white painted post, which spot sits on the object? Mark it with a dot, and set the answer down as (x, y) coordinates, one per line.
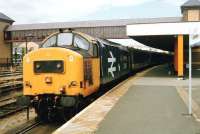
(194, 40)
(190, 81)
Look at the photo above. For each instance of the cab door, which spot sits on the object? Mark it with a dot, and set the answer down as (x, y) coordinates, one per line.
(92, 72)
(91, 64)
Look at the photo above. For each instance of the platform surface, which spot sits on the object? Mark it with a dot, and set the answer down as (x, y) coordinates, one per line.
(151, 105)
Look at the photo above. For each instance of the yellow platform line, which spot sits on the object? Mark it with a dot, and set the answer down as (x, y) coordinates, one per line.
(195, 107)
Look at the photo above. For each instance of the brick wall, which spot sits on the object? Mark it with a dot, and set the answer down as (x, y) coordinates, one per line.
(191, 15)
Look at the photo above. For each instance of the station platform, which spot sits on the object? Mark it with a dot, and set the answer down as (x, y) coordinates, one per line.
(147, 103)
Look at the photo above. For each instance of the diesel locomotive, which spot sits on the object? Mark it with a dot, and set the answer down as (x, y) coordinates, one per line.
(71, 66)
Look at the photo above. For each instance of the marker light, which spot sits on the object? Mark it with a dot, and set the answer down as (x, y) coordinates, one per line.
(73, 84)
(62, 89)
(48, 80)
(28, 84)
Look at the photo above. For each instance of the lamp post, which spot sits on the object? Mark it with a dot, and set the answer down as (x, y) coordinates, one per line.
(28, 36)
(194, 41)
(190, 82)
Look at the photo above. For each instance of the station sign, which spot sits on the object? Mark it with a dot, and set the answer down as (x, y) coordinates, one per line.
(194, 36)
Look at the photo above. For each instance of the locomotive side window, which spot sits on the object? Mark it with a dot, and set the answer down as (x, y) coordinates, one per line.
(65, 39)
(81, 42)
(95, 50)
(50, 42)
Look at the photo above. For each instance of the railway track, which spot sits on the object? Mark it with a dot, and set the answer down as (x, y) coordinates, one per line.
(10, 81)
(29, 127)
(9, 108)
(10, 78)
(5, 74)
(7, 100)
(10, 87)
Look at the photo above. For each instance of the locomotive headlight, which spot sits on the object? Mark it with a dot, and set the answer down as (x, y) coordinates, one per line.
(38, 66)
(59, 65)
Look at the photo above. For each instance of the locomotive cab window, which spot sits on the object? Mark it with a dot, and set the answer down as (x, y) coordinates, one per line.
(50, 42)
(65, 39)
(81, 42)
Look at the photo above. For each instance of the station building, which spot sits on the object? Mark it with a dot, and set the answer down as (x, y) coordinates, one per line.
(174, 38)
(5, 48)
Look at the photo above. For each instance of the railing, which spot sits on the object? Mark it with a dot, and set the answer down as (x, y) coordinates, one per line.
(23, 39)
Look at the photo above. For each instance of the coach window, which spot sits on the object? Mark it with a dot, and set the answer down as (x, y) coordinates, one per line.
(81, 42)
(50, 42)
(65, 39)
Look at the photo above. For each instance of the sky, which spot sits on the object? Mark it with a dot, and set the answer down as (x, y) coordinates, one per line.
(44, 11)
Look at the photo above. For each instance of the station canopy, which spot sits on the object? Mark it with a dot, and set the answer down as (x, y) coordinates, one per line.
(162, 35)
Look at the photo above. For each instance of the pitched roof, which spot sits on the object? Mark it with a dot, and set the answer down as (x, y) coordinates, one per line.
(5, 18)
(191, 4)
(92, 23)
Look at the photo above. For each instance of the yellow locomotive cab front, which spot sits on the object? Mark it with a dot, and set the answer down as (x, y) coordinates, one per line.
(53, 71)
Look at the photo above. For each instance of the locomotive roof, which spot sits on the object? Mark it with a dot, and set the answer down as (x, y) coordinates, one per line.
(88, 37)
(104, 41)
(113, 44)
